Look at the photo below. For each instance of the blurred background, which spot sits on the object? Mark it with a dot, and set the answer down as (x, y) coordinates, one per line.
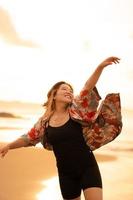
(42, 42)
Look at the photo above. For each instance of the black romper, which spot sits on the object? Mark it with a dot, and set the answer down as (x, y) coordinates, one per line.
(77, 166)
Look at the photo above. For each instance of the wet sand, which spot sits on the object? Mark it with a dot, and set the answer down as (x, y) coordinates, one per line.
(23, 170)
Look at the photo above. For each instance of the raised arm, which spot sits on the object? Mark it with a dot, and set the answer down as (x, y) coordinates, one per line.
(91, 82)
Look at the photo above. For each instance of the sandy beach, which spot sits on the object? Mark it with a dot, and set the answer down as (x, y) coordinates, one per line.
(30, 174)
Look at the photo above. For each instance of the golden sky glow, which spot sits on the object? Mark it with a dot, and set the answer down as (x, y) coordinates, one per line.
(42, 42)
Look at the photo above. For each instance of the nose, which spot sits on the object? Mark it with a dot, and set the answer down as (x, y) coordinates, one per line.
(69, 92)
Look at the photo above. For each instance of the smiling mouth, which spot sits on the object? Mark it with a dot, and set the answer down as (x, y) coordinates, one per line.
(67, 96)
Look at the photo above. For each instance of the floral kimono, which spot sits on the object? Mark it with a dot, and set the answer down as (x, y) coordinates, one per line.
(100, 125)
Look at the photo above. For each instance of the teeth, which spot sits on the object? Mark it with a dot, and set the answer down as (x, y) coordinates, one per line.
(67, 96)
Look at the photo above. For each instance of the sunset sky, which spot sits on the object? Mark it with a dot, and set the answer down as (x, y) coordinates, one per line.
(44, 41)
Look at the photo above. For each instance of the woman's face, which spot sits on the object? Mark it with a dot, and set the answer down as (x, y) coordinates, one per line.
(64, 94)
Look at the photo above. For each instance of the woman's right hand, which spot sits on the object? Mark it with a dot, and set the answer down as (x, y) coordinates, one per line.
(4, 150)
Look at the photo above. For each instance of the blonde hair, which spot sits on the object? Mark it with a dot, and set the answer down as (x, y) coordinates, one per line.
(49, 105)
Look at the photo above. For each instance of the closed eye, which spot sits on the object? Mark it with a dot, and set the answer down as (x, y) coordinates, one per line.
(65, 89)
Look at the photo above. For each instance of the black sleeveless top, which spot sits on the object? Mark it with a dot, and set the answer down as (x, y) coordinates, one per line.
(69, 146)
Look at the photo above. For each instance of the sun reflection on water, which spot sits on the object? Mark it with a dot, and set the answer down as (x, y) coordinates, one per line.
(51, 190)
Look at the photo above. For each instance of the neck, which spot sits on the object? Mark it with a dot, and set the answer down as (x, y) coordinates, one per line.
(61, 108)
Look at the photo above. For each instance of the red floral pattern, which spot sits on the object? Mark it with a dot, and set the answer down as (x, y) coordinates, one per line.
(32, 133)
(84, 103)
(83, 93)
(99, 126)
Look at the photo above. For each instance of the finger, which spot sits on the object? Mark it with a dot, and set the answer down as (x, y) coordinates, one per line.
(3, 155)
(116, 60)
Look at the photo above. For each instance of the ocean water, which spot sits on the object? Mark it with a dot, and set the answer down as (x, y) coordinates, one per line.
(25, 115)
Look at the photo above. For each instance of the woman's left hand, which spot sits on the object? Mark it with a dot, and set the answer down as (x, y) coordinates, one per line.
(109, 61)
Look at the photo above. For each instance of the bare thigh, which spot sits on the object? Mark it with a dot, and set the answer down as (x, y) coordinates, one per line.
(93, 193)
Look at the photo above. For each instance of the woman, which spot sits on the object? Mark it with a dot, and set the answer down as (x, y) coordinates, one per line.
(72, 127)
